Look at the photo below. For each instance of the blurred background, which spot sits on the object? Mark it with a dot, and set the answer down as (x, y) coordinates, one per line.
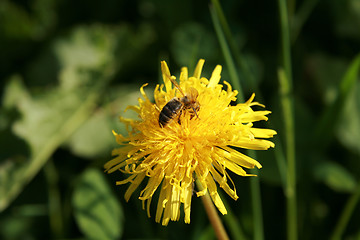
(68, 69)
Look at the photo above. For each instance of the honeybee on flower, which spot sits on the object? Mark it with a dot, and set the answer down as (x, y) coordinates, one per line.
(192, 142)
(174, 108)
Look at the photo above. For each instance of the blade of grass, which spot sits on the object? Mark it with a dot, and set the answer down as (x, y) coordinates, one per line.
(249, 77)
(288, 116)
(234, 79)
(346, 214)
(256, 202)
(285, 78)
(55, 212)
(330, 117)
(232, 222)
(240, 60)
(285, 41)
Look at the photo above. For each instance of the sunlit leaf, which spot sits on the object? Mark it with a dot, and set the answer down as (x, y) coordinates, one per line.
(330, 117)
(334, 176)
(48, 119)
(348, 130)
(94, 137)
(97, 211)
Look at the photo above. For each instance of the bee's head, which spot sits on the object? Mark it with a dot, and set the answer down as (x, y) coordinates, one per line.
(190, 101)
(192, 94)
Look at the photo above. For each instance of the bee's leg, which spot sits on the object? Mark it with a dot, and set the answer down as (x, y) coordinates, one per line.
(193, 113)
(179, 121)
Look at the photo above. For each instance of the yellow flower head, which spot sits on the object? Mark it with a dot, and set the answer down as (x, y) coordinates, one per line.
(193, 145)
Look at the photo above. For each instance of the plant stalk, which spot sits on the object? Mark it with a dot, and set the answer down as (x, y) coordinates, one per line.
(213, 215)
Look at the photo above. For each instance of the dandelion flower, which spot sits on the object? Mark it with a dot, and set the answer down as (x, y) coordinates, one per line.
(189, 147)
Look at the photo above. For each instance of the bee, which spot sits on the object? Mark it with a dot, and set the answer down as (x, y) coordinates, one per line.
(174, 108)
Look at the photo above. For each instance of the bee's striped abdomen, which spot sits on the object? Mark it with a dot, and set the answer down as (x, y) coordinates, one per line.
(170, 111)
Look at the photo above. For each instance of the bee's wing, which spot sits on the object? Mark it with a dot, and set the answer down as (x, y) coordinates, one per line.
(172, 79)
(192, 93)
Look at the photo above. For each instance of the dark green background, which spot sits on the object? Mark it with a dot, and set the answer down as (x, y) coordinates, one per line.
(68, 69)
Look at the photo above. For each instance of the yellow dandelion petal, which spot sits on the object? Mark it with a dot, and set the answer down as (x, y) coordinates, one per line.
(198, 68)
(196, 140)
(187, 202)
(215, 195)
(148, 203)
(151, 187)
(165, 74)
(254, 144)
(239, 158)
(133, 186)
(184, 75)
(222, 180)
(215, 77)
(175, 204)
(263, 133)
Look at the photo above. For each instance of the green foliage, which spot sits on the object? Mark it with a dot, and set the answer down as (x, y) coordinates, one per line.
(41, 125)
(69, 69)
(334, 176)
(96, 209)
(348, 131)
(332, 114)
(93, 137)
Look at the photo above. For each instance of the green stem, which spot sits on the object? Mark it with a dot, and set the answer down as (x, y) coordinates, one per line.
(346, 214)
(213, 215)
(285, 78)
(285, 39)
(55, 211)
(288, 116)
(325, 128)
(256, 203)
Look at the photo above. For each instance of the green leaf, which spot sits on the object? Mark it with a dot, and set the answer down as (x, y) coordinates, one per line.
(50, 117)
(97, 211)
(46, 123)
(334, 176)
(86, 61)
(331, 115)
(348, 131)
(94, 137)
